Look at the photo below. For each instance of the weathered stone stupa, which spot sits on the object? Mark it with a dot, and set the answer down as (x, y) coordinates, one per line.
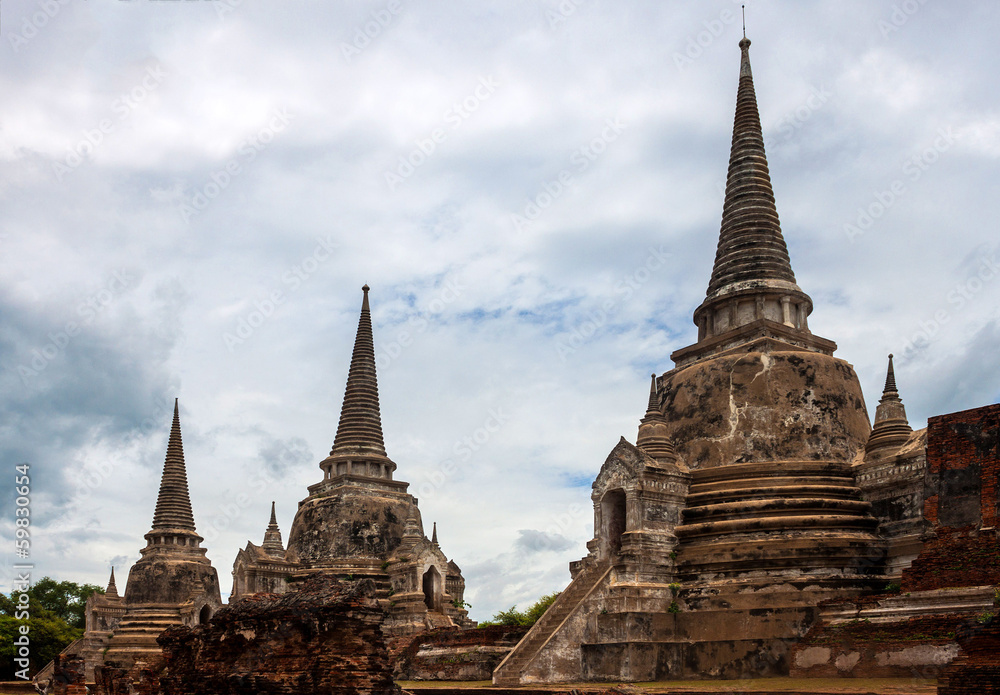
(738, 510)
(173, 583)
(359, 522)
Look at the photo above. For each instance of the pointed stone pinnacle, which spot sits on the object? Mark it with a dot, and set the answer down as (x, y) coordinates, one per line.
(434, 534)
(173, 505)
(752, 277)
(890, 379)
(751, 246)
(112, 590)
(272, 544)
(891, 428)
(654, 403)
(359, 433)
(653, 438)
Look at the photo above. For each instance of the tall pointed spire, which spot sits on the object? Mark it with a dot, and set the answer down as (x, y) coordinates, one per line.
(752, 279)
(112, 590)
(891, 429)
(272, 544)
(751, 247)
(173, 505)
(434, 534)
(360, 429)
(653, 437)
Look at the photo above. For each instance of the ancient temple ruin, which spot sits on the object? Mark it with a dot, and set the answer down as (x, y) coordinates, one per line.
(173, 583)
(756, 489)
(359, 522)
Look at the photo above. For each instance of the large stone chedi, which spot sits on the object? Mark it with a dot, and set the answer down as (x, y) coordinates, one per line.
(359, 522)
(737, 510)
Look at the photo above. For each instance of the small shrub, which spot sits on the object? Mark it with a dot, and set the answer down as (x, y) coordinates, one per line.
(513, 617)
(674, 608)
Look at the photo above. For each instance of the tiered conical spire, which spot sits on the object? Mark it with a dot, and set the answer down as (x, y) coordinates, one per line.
(653, 438)
(112, 590)
(173, 505)
(751, 247)
(891, 429)
(272, 544)
(434, 534)
(360, 428)
(752, 279)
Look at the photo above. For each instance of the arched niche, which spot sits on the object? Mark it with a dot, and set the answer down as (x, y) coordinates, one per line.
(613, 518)
(433, 587)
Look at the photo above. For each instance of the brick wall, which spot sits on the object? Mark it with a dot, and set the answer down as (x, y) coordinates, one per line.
(977, 671)
(957, 557)
(963, 464)
(863, 649)
(963, 459)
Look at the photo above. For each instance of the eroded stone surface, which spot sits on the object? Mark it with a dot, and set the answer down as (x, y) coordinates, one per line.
(324, 638)
(763, 406)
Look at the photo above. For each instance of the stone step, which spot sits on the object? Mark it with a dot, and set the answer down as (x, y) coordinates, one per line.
(509, 672)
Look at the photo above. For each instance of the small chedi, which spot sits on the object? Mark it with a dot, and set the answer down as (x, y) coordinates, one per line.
(758, 501)
(359, 522)
(173, 583)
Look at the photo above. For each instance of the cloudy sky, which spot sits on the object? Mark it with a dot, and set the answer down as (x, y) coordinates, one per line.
(194, 192)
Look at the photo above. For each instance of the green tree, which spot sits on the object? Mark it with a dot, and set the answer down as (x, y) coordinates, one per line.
(56, 611)
(526, 618)
(66, 599)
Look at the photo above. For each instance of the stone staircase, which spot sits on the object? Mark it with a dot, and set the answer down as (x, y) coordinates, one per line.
(135, 636)
(511, 669)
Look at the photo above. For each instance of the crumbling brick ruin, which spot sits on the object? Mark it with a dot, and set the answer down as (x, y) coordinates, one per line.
(325, 638)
